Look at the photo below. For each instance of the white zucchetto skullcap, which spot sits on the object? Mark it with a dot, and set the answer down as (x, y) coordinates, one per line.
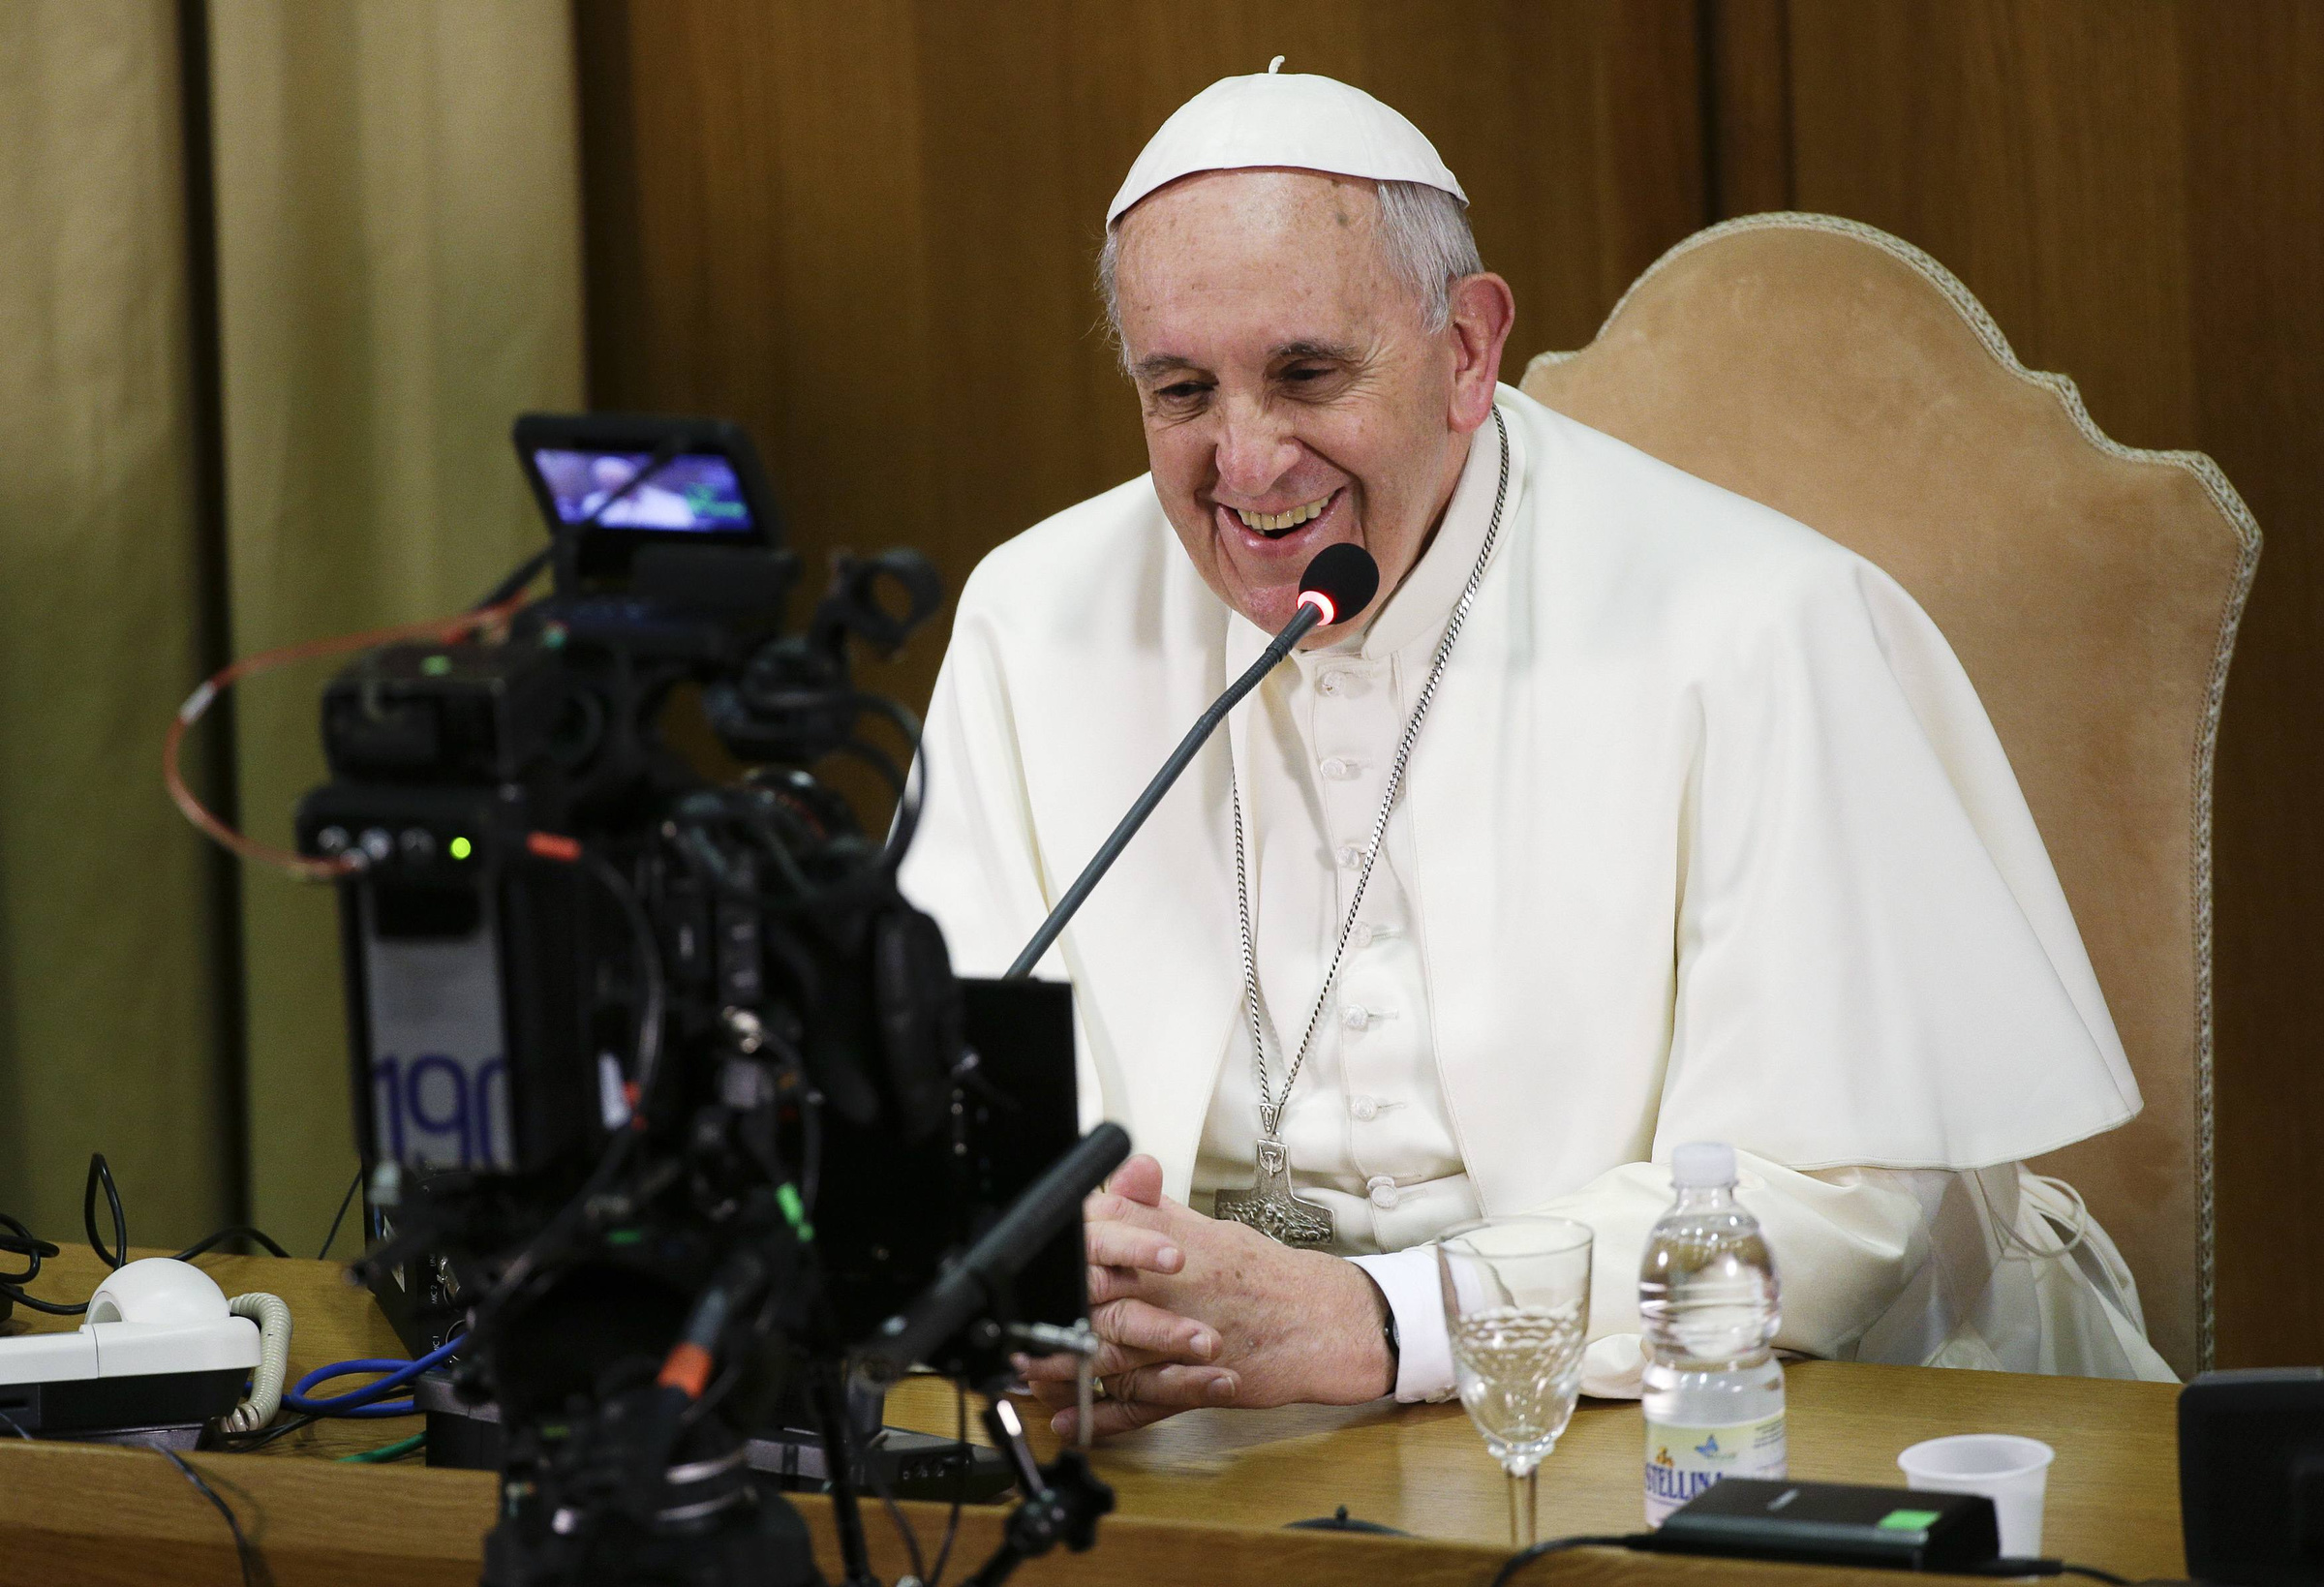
(1293, 119)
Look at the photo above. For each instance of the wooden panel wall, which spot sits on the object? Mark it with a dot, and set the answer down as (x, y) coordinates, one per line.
(2136, 191)
(866, 231)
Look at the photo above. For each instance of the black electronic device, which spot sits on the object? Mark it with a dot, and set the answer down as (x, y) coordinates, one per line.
(2251, 1476)
(1829, 1523)
(909, 1465)
(668, 1097)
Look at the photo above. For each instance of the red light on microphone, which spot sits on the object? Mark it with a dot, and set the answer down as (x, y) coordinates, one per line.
(1339, 582)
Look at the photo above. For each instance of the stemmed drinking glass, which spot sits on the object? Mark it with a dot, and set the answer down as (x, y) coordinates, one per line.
(1517, 1306)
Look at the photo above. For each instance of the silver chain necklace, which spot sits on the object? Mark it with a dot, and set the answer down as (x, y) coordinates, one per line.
(1270, 1206)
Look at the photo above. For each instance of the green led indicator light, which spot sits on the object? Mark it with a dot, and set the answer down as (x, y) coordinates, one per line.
(435, 666)
(794, 1212)
(1907, 1520)
(461, 848)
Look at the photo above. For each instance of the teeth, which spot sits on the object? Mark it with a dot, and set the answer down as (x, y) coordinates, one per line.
(1272, 523)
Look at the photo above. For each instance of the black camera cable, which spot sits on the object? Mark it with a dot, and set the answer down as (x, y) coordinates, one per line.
(18, 1240)
(646, 1053)
(353, 1185)
(242, 1549)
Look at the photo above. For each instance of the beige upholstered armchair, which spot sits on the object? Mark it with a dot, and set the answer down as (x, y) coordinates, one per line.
(2093, 590)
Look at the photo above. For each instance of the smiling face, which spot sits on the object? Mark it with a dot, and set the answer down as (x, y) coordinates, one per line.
(1292, 393)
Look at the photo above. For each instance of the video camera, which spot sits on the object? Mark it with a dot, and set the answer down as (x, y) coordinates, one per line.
(669, 1101)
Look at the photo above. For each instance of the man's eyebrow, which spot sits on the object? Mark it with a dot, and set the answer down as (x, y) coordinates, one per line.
(1161, 364)
(1331, 353)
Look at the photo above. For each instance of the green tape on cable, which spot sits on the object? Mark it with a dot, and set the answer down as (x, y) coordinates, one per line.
(388, 1451)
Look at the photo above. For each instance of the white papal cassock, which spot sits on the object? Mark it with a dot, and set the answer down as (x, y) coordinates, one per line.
(1706, 837)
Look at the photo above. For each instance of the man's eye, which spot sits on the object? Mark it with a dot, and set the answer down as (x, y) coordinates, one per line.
(1305, 372)
(1182, 391)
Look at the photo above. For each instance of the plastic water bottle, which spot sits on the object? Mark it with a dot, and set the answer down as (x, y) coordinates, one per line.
(1714, 1390)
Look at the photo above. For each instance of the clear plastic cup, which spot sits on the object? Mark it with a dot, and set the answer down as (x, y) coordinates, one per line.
(2012, 1472)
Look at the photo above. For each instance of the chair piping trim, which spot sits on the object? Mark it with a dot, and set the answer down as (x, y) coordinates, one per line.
(2230, 505)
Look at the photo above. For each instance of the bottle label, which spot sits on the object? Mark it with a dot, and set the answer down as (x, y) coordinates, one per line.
(1682, 1461)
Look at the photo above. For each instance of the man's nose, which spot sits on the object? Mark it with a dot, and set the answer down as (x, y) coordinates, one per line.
(1255, 450)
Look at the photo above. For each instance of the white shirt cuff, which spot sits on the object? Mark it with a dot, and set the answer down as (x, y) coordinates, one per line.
(1425, 1351)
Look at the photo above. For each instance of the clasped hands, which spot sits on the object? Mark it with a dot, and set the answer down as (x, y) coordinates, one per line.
(1193, 1311)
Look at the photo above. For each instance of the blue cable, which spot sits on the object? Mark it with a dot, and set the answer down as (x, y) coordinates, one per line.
(366, 1401)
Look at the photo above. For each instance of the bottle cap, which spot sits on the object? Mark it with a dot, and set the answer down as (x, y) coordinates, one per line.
(1699, 1164)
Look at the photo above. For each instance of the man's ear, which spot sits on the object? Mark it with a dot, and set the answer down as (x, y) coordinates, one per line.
(1484, 310)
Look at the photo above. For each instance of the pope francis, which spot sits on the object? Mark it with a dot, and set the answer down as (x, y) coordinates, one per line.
(1628, 813)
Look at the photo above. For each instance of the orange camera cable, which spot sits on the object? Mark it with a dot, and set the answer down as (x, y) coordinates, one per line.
(442, 630)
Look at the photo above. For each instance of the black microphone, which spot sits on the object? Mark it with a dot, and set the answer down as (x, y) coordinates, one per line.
(1339, 582)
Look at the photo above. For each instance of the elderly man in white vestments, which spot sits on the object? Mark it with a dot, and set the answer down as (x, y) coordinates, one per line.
(1702, 833)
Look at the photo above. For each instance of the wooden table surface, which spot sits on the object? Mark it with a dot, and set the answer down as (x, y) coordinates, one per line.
(2113, 1494)
(2112, 1498)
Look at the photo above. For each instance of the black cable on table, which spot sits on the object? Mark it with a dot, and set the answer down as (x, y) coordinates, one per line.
(20, 1241)
(244, 1443)
(101, 1176)
(1523, 1557)
(16, 1240)
(903, 1526)
(967, 1456)
(241, 1543)
(2006, 1567)
(240, 1230)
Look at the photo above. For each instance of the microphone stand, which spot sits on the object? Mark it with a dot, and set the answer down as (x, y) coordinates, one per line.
(1062, 1502)
(1306, 618)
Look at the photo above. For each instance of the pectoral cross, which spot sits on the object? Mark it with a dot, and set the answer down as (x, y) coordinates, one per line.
(1270, 1206)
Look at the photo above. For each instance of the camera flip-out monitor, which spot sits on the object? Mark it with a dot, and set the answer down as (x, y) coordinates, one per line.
(616, 483)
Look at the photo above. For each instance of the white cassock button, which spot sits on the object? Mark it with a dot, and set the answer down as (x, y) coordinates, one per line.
(1384, 1192)
(1351, 855)
(1328, 684)
(1339, 770)
(1356, 1016)
(1363, 1109)
(1362, 938)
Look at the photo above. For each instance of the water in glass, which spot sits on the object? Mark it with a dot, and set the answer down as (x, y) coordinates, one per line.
(1516, 1295)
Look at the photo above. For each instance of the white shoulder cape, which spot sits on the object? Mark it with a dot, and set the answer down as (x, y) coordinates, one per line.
(1714, 838)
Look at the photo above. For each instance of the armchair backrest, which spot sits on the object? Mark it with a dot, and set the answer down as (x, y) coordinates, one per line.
(2091, 590)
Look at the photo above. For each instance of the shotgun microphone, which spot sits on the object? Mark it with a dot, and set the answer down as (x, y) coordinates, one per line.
(971, 1286)
(1339, 583)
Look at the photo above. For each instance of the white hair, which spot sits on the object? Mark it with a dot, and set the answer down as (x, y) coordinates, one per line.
(1423, 232)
